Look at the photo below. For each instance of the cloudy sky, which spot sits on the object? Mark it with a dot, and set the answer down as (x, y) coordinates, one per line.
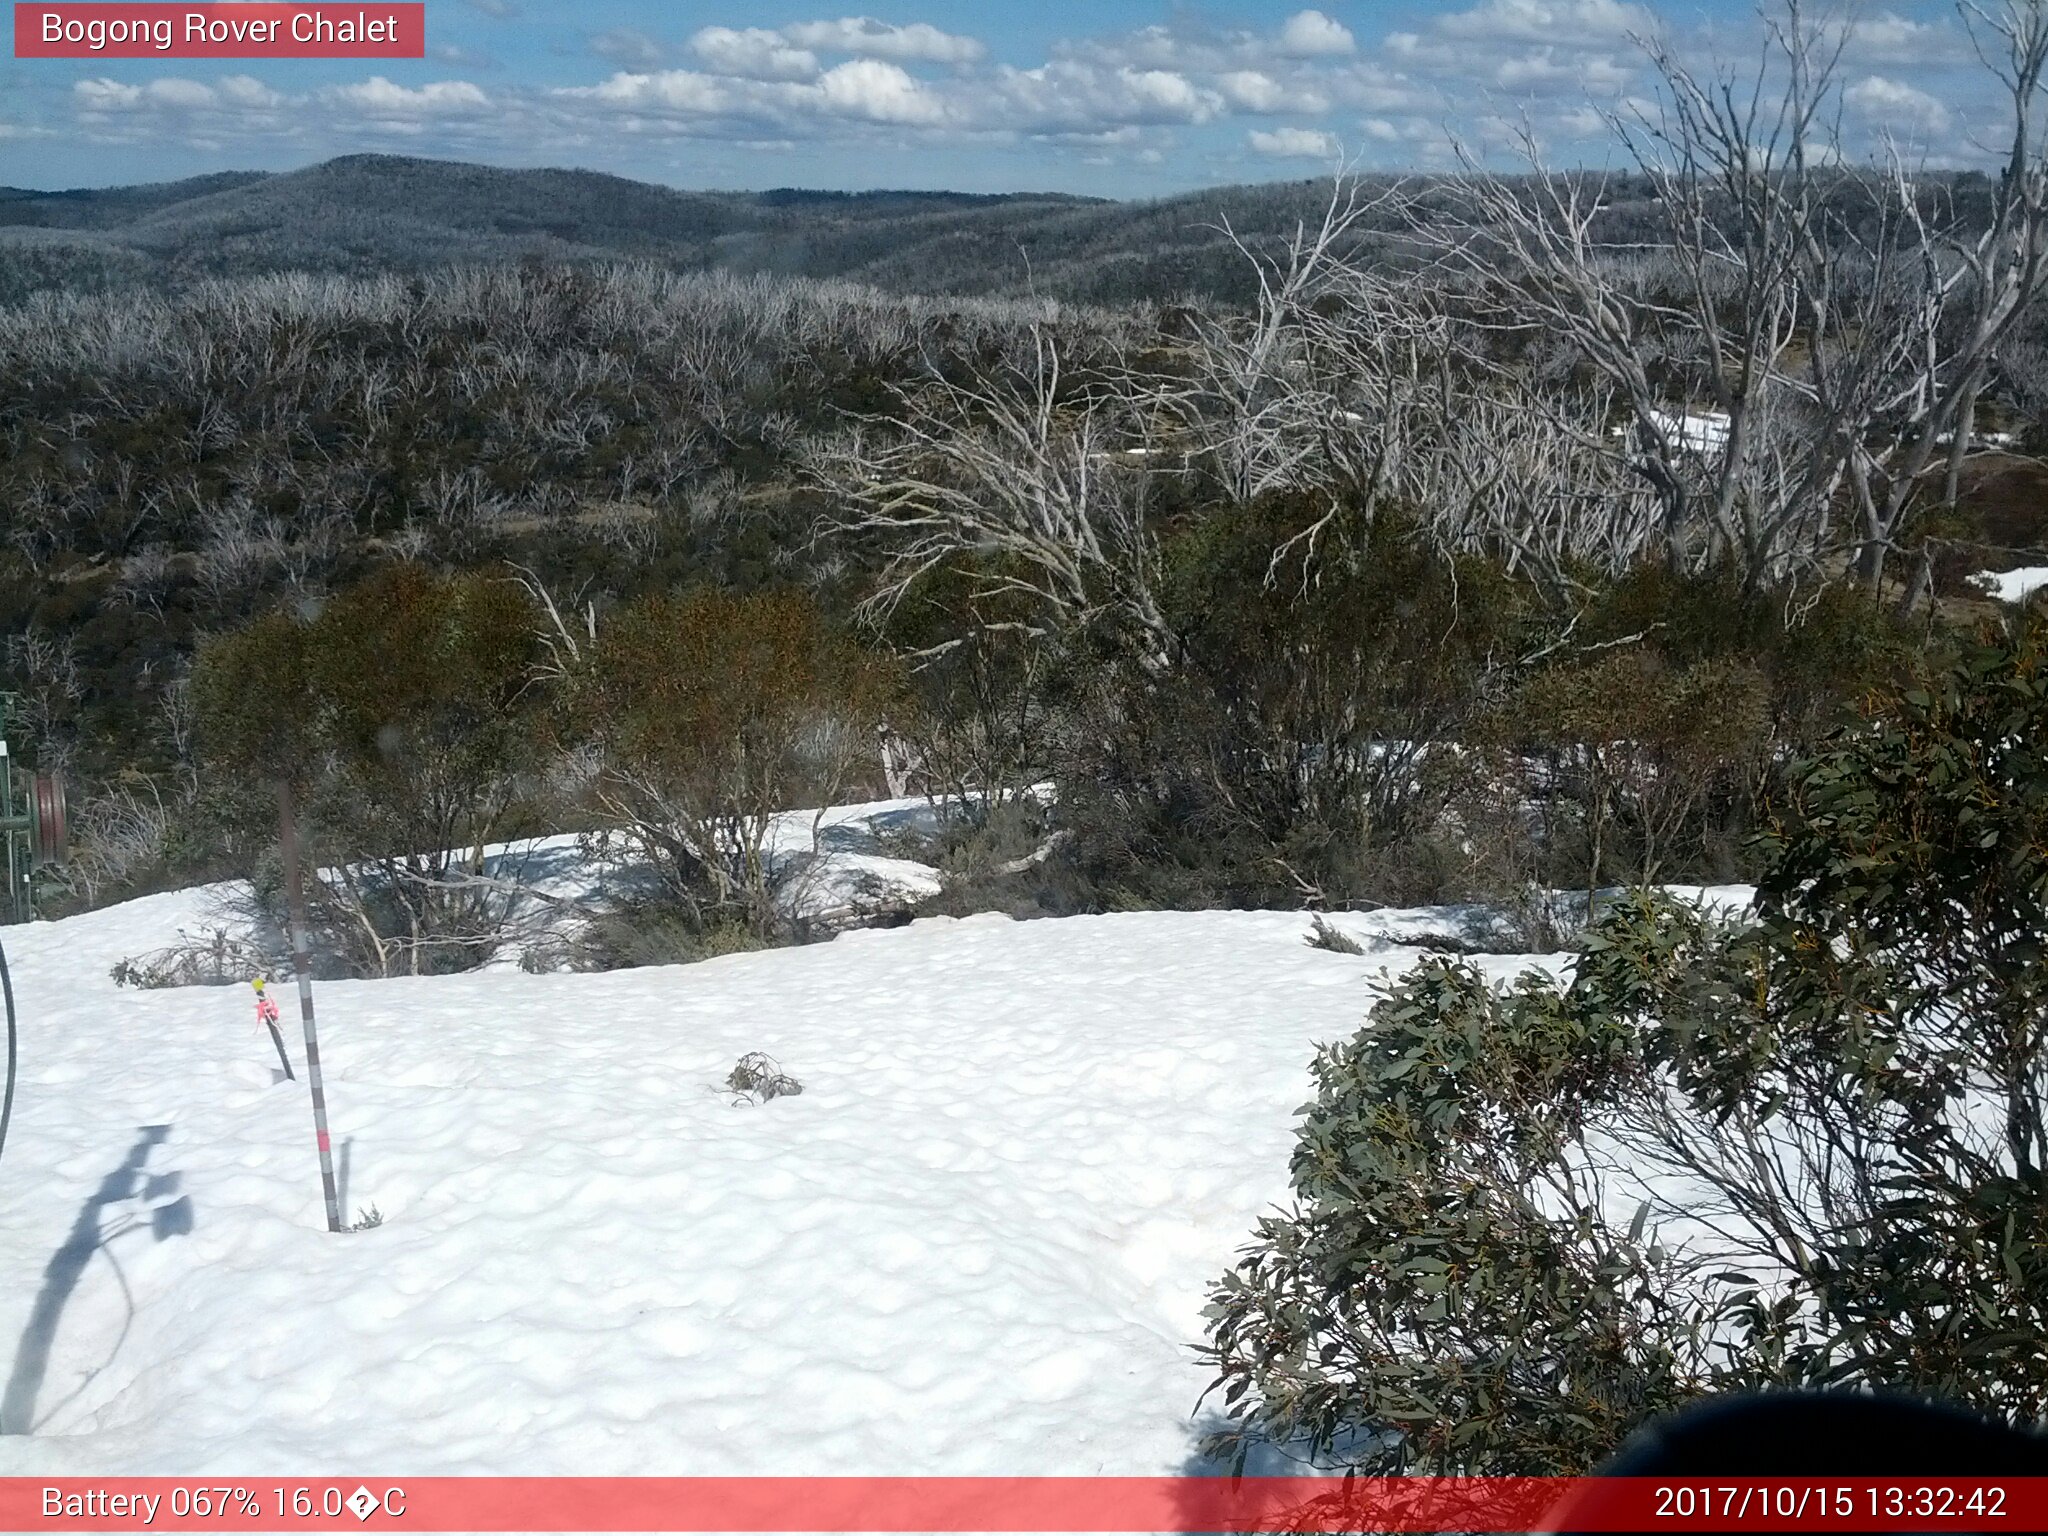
(1121, 98)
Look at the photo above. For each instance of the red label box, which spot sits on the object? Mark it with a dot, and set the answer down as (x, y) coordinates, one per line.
(1022, 1504)
(367, 29)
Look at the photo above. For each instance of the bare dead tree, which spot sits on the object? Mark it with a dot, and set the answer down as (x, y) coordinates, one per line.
(1977, 286)
(1260, 395)
(1529, 476)
(1839, 325)
(235, 550)
(1021, 470)
(146, 576)
(1331, 383)
(565, 643)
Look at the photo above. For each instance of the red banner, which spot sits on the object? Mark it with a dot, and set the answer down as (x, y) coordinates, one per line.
(213, 31)
(1022, 1504)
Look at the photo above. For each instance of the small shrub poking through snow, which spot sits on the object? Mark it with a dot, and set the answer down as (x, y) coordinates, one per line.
(714, 712)
(416, 746)
(1335, 940)
(655, 933)
(757, 1078)
(545, 955)
(365, 1220)
(218, 960)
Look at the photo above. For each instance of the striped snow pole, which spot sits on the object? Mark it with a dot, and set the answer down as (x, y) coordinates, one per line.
(288, 835)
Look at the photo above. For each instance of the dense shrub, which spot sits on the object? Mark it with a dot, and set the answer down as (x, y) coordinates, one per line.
(1805, 1150)
(715, 713)
(1627, 760)
(404, 715)
(1658, 708)
(1011, 859)
(1819, 649)
(976, 717)
(1288, 752)
(181, 460)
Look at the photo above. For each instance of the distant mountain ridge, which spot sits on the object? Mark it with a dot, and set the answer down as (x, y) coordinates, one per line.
(365, 213)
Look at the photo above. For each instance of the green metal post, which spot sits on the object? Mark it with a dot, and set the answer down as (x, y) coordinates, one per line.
(13, 827)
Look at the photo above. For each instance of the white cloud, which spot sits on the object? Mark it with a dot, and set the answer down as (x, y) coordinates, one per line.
(1153, 47)
(1889, 33)
(1889, 103)
(1553, 22)
(1252, 90)
(462, 58)
(1373, 88)
(173, 93)
(1311, 34)
(1541, 69)
(860, 90)
(753, 54)
(1162, 92)
(245, 91)
(1527, 48)
(1064, 99)
(629, 47)
(503, 10)
(1294, 143)
(1068, 96)
(200, 115)
(106, 95)
(382, 98)
(855, 81)
(1898, 40)
(669, 90)
(880, 92)
(876, 39)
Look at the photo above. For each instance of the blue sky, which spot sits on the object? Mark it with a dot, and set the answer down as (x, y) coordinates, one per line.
(1120, 98)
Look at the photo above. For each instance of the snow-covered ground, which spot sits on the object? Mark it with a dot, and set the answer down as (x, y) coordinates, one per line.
(976, 1243)
(2012, 586)
(831, 854)
(1703, 432)
(832, 876)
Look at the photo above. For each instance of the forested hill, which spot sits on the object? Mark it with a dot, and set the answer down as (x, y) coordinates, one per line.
(381, 213)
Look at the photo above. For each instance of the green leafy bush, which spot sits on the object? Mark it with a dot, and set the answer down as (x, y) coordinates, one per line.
(652, 933)
(1628, 758)
(404, 716)
(715, 714)
(1286, 753)
(976, 714)
(1807, 1149)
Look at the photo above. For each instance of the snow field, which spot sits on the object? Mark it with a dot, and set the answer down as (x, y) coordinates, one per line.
(976, 1243)
(2012, 586)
